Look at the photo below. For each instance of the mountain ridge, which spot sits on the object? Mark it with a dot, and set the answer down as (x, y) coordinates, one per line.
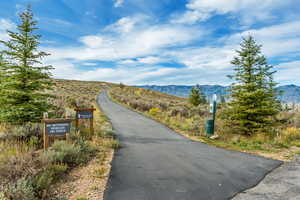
(291, 93)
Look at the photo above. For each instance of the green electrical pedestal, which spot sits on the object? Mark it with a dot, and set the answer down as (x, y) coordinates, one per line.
(210, 127)
(210, 124)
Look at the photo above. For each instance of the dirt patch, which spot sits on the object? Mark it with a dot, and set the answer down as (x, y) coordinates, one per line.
(86, 182)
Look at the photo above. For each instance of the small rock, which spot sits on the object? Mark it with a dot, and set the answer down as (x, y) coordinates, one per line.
(214, 137)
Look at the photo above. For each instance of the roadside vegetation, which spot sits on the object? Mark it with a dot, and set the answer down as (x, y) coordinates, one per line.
(252, 120)
(26, 92)
(27, 172)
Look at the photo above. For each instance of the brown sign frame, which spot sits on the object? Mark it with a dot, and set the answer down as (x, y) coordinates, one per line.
(92, 109)
(46, 135)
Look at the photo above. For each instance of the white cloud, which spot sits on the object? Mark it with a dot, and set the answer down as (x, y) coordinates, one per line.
(149, 60)
(89, 64)
(128, 62)
(5, 25)
(140, 42)
(152, 60)
(277, 40)
(127, 24)
(205, 58)
(288, 71)
(124, 25)
(118, 3)
(248, 11)
(138, 50)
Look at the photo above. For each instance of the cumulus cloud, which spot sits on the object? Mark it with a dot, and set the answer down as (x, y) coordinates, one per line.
(138, 42)
(248, 11)
(139, 51)
(288, 71)
(277, 40)
(5, 25)
(118, 3)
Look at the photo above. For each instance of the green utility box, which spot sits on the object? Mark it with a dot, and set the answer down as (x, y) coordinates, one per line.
(209, 127)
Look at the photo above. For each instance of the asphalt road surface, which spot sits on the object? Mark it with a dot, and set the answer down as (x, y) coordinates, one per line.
(281, 184)
(156, 163)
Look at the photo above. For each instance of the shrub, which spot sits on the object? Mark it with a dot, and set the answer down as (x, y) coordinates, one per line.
(111, 143)
(24, 132)
(107, 132)
(21, 190)
(100, 172)
(290, 134)
(16, 166)
(154, 111)
(67, 153)
(43, 180)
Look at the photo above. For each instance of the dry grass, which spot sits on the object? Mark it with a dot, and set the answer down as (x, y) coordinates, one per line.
(18, 156)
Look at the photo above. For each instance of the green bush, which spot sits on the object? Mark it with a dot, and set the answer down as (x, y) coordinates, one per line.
(43, 180)
(13, 167)
(23, 132)
(67, 153)
(51, 157)
(107, 132)
(21, 190)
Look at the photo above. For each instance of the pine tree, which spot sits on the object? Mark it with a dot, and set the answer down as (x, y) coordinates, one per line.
(253, 102)
(2, 78)
(22, 91)
(196, 96)
(2, 69)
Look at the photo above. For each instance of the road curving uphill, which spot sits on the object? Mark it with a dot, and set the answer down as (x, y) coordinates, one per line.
(156, 163)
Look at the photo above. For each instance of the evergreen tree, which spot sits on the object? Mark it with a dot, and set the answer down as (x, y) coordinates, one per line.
(22, 91)
(253, 102)
(2, 69)
(196, 96)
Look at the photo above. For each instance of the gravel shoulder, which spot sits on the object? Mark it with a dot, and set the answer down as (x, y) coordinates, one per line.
(281, 184)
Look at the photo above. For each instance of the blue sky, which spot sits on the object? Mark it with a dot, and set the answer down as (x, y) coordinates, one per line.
(160, 41)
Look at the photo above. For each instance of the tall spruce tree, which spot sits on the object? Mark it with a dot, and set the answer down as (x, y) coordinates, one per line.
(196, 96)
(3, 69)
(22, 91)
(254, 101)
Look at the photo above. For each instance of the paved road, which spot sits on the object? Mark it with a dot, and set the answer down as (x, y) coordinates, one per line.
(156, 163)
(281, 184)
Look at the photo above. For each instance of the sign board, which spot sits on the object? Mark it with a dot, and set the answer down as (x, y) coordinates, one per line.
(84, 114)
(55, 127)
(58, 128)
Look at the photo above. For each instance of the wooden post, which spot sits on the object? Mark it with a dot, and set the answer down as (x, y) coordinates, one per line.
(76, 120)
(92, 122)
(46, 137)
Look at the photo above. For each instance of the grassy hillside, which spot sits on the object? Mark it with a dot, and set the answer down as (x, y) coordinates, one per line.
(178, 114)
(26, 172)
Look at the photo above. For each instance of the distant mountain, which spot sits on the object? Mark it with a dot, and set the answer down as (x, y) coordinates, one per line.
(291, 93)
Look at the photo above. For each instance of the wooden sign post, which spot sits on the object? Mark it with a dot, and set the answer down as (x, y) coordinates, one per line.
(54, 128)
(85, 113)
